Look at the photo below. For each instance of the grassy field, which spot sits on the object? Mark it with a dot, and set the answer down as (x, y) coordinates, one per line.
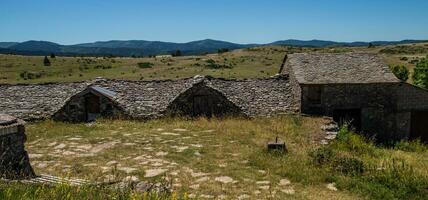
(224, 158)
(256, 62)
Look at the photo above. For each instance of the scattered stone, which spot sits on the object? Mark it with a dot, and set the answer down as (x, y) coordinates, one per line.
(160, 129)
(222, 196)
(161, 153)
(74, 139)
(52, 144)
(169, 133)
(257, 192)
(195, 186)
(90, 165)
(154, 172)
(289, 191)
(60, 146)
(180, 130)
(263, 182)
(68, 153)
(202, 179)
(206, 196)
(243, 196)
(35, 155)
(130, 179)
(332, 186)
(113, 162)
(127, 170)
(264, 187)
(284, 182)
(224, 179)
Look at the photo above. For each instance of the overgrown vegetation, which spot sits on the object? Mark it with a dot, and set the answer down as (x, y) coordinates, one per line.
(357, 165)
(420, 75)
(401, 72)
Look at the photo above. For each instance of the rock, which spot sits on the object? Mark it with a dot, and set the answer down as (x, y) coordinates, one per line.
(243, 196)
(161, 153)
(180, 130)
(284, 182)
(130, 179)
(195, 186)
(127, 170)
(263, 182)
(169, 133)
(202, 179)
(60, 146)
(224, 179)
(289, 191)
(331, 186)
(154, 172)
(113, 162)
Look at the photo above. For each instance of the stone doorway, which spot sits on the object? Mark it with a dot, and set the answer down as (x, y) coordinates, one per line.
(201, 100)
(350, 116)
(419, 126)
(92, 107)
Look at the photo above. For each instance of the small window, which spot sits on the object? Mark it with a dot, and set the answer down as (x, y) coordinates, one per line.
(314, 94)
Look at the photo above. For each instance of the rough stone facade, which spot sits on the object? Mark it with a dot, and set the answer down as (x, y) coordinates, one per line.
(379, 104)
(14, 161)
(144, 99)
(76, 108)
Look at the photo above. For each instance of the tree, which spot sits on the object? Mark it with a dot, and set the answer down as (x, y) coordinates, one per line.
(401, 72)
(420, 74)
(222, 50)
(176, 53)
(53, 55)
(371, 45)
(46, 61)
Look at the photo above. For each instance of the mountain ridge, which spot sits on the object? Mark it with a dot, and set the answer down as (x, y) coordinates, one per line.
(145, 47)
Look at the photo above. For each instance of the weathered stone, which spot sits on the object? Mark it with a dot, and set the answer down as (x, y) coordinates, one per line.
(14, 161)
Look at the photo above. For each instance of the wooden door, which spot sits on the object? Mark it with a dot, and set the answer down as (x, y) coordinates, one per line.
(202, 106)
(92, 106)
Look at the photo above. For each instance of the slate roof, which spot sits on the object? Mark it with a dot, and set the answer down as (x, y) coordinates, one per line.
(148, 99)
(331, 68)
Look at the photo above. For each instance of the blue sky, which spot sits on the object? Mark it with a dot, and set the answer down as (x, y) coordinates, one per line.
(242, 21)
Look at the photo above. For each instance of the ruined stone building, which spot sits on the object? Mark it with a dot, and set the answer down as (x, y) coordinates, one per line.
(353, 87)
(361, 89)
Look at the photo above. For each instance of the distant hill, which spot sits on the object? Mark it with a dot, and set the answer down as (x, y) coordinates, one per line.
(324, 43)
(145, 48)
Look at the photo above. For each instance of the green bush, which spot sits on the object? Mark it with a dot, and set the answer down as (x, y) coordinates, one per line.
(420, 75)
(26, 75)
(411, 146)
(144, 65)
(348, 165)
(401, 72)
(210, 63)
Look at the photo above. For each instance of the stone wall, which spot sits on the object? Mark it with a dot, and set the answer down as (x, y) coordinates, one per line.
(377, 104)
(201, 100)
(14, 161)
(75, 109)
(385, 107)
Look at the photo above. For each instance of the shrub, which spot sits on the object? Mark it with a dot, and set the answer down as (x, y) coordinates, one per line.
(420, 75)
(46, 61)
(322, 156)
(348, 165)
(145, 65)
(411, 146)
(401, 72)
(26, 75)
(210, 63)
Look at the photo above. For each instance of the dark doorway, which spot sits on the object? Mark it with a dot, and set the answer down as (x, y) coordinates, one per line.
(92, 107)
(202, 106)
(419, 126)
(204, 101)
(349, 116)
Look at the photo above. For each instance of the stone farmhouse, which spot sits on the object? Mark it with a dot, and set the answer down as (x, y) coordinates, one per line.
(354, 87)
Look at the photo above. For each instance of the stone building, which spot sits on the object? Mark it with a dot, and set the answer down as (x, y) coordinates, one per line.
(196, 96)
(14, 161)
(360, 89)
(353, 87)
